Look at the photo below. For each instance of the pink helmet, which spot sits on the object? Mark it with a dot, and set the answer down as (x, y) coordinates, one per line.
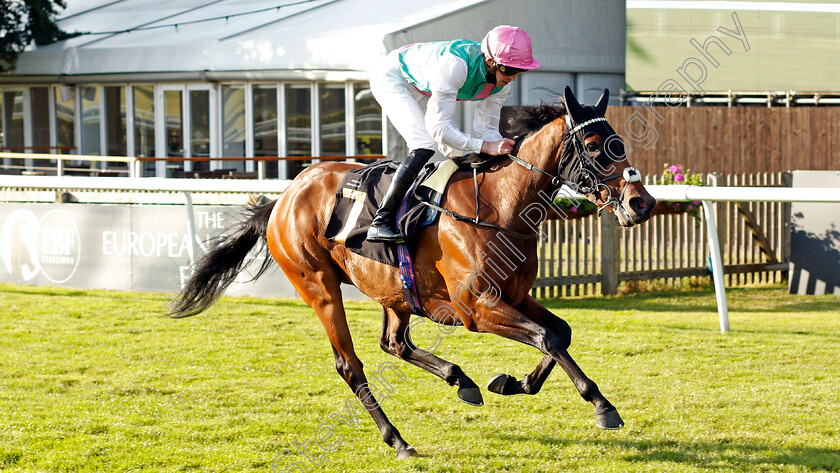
(509, 46)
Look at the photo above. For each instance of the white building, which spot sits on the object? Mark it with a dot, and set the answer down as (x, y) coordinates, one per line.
(244, 78)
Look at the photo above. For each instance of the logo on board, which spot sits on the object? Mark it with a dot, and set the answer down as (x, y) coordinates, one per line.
(50, 245)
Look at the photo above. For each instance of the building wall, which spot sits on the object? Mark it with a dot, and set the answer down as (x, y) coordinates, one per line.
(581, 44)
(775, 50)
(227, 113)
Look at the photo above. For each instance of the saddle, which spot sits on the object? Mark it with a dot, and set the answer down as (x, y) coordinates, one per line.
(360, 193)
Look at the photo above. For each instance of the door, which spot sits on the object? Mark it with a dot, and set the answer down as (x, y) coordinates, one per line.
(185, 130)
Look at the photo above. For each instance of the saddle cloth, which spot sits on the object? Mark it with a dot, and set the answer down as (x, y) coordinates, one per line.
(359, 194)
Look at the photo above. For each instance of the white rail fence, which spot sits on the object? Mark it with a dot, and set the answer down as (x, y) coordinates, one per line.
(682, 193)
(132, 165)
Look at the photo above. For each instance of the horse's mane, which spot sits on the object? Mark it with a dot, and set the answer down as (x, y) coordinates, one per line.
(524, 120)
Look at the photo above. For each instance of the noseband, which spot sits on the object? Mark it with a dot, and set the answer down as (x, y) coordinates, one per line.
(588, 178)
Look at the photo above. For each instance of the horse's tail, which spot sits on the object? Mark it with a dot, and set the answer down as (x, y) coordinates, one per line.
(217, 269)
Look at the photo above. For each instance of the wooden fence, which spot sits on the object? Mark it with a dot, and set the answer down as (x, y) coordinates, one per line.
(593, 254)
(730, 139)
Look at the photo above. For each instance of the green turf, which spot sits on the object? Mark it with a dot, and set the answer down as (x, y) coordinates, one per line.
(100, 381)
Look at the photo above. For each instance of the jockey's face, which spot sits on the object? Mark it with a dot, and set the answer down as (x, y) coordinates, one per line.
(503, 80)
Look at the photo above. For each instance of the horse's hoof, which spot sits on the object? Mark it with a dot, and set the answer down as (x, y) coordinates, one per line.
(609, 420)
(497, 384)
(471, 396)
(407, 453)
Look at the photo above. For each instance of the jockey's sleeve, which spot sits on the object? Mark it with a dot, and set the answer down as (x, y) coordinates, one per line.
(486, 121)
(440, 110)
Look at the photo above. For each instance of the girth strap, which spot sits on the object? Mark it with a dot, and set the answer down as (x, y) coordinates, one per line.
(409, 282)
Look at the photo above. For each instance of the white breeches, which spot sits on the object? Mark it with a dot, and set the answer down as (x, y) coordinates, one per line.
(404, 105)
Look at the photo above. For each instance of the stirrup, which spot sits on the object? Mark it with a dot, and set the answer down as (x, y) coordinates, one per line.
(384, 233)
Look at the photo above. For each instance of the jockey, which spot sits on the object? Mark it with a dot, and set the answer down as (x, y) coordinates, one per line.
(417, 87)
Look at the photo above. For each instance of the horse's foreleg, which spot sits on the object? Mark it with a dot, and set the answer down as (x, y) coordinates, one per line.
(532, 324)
(606, 416)
(393, 340)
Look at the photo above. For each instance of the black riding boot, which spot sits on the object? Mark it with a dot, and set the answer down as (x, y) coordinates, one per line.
(383, 226)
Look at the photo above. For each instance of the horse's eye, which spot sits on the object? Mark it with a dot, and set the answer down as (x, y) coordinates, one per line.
(592, 147)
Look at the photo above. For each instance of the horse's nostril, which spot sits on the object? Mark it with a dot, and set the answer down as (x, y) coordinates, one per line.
(642, 207)
(638, 204)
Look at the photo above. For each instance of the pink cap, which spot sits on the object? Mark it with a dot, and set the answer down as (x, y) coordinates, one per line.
(509, 46)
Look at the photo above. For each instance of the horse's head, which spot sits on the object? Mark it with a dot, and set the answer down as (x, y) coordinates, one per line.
(594, 163)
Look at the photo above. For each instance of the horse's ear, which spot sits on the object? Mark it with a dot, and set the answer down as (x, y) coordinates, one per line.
(601, 105)
(572, 105)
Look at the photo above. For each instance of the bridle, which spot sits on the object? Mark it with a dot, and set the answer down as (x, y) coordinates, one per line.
(586, 179)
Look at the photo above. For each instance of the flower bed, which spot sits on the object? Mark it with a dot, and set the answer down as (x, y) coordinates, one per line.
(675, 174)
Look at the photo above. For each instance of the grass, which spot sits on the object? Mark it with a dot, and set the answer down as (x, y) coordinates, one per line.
(100, 381)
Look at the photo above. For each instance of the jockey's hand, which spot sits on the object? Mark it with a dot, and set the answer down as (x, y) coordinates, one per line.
(496, 148)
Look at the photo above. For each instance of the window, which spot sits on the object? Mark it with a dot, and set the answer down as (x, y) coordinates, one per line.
(200, 128)
(298, 126)
(39, 98)
(13, 126)
(265, 126)
(182, 121)
(144, 125)
(368, 121)
(65, 120)
(90, 121)
(332, 120)
(39, 113)
(13, 119)
(115, 124)
(174, 130)
(233, 124)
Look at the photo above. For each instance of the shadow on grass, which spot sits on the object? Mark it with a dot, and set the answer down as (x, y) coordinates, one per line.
(43, 290)
(770, 299)
(625, 303)
(705, 455)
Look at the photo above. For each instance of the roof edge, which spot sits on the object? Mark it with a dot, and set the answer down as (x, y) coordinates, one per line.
(389, 39)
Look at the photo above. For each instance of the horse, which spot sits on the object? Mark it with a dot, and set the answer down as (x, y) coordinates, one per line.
(478, 276)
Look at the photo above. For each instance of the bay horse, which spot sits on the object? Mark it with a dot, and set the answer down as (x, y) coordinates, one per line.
(478, 276)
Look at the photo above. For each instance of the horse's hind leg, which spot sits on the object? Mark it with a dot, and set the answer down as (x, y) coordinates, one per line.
(531, 384)
(393, 340)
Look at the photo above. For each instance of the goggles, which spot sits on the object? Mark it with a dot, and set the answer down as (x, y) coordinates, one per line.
(508, 70)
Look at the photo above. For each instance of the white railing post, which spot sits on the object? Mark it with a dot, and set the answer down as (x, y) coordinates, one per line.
(610, 254)
(191, 226)
(717, 264)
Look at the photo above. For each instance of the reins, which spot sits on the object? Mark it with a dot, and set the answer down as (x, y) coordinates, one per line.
(630, 175)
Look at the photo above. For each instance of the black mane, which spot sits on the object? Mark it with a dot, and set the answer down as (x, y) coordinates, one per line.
(524, 120)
